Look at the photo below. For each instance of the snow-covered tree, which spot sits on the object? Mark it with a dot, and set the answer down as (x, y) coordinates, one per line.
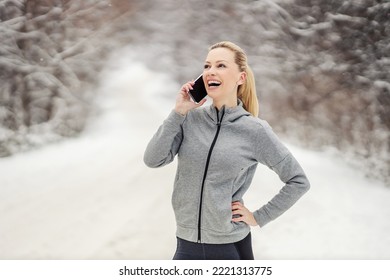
(48, 57)
(341, 86)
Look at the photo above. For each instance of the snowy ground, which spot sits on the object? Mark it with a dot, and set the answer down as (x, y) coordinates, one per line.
(93, 198)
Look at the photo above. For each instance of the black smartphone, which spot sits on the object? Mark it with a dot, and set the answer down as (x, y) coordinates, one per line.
(199, 90)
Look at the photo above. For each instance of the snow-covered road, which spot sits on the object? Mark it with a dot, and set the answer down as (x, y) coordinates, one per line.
(93, 198)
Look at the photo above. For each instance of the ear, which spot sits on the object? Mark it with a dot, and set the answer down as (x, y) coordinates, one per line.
(242, 78)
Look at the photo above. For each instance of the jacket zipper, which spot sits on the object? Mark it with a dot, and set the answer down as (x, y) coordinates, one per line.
(205, 171)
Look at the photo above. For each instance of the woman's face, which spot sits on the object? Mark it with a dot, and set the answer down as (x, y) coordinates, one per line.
(221, 75)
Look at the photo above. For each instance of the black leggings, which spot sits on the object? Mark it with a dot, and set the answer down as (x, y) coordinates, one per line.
(241, 250)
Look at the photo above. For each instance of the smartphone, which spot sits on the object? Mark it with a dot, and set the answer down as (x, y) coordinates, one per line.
(199, 90)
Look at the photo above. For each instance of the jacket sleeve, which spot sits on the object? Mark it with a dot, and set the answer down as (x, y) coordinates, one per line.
(276, 156)
(166, 142)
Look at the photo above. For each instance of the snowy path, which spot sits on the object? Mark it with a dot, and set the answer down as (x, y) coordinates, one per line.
(93, 198)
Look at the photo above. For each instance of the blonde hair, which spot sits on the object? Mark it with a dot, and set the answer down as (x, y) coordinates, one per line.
(247, 91)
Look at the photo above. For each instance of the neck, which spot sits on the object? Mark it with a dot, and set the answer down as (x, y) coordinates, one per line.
(231, 103)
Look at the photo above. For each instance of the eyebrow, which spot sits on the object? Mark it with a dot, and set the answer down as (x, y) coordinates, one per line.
(218, 61)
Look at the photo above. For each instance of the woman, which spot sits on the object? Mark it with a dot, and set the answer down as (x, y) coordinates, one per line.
(218, 149)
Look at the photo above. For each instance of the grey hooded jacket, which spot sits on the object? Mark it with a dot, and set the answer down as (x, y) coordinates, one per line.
(218, 152)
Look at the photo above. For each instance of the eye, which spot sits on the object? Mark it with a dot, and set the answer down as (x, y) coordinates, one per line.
(221, 65)
(206, 66)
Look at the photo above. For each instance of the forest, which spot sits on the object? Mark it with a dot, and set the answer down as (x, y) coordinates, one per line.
(322, 67)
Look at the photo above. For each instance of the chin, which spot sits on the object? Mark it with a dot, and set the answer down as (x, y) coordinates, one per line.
(213, 94)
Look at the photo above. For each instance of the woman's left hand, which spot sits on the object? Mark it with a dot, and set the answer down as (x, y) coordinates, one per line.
(246, 216)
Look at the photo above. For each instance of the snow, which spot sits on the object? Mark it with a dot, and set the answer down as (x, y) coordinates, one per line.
(92, 197)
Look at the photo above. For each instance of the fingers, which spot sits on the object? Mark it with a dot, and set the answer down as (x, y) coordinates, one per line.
(242, 214)
(187, 87)
(238, 214)
(202, 102)
(183, 99)
(237, 211)
(237, 205)
(239, 219)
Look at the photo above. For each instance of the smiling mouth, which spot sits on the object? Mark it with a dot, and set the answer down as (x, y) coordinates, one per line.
(214, 83)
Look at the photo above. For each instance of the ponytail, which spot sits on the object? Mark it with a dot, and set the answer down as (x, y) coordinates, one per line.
(247, 91)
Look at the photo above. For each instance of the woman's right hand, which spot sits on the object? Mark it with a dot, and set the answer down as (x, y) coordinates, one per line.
(183, 100)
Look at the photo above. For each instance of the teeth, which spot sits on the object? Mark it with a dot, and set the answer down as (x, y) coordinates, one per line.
(214, 83)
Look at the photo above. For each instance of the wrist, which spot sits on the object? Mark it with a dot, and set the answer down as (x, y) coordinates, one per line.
(180, 111)
(254, 221)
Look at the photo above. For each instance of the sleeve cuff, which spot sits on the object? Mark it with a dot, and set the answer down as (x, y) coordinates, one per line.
(261, 218)
(176, 118)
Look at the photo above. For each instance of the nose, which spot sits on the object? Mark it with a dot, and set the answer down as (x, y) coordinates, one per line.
(210, 71)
